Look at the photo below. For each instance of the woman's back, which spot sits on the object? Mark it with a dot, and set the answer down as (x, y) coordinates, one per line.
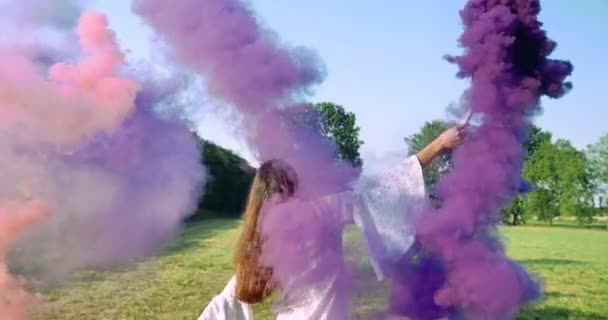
(305, 251)
(291, 243)
(303, 240)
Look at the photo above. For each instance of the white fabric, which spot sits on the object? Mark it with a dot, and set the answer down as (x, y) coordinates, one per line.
(390, 203)
(326, 298)
(226, 306)
(380, 207)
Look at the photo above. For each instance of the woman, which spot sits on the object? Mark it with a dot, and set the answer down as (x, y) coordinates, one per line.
(313, 282)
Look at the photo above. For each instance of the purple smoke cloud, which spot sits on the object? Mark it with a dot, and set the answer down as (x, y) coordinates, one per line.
(506, 59)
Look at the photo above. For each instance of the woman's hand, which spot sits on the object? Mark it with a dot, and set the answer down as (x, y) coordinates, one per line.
(452, 137)
(449, 139)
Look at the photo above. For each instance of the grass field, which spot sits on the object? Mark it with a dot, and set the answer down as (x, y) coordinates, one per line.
(177, 285)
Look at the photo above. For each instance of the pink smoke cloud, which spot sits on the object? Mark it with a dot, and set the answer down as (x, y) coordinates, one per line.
(76, 101)
(59, 111)
(14, 219)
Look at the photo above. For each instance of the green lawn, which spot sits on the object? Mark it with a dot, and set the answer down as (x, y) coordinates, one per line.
(178, 284)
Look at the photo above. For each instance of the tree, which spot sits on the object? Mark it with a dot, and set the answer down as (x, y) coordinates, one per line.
(340, 126)
(537, 137)
(563, 182)
(575, 182)
(598, 164)
(514, 214)
(440, 165)
(228, 185)
(333, 122)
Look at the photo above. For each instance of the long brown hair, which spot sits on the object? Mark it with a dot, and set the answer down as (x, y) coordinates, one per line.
(253, 281)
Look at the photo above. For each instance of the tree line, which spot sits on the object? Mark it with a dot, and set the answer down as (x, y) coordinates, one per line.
(230, 175)
(564, 181)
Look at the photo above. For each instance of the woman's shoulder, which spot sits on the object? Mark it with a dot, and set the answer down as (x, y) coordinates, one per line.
(227, 306)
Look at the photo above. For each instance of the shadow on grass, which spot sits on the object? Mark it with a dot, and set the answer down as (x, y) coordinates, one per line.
(195, 232)
(191, 237)
(557, 313)
(558, 295)
(565, 225)
(549, 262)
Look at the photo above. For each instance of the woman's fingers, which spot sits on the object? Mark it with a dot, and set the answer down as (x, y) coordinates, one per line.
(463, 126)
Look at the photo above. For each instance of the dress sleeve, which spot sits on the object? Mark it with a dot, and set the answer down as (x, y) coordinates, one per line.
(385, 215)
(226, 306)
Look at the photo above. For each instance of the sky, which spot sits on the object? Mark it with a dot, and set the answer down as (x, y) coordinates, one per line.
(385, 64)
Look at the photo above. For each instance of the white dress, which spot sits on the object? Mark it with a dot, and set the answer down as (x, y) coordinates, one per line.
(381, 208)
(225, 306)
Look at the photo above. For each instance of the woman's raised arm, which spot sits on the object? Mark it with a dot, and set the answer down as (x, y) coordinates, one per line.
(449, 139)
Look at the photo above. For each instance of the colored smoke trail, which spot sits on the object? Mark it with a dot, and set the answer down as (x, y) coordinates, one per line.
(506, 58)
(50, 111)
(119, 197)
(14, 219)
(244, 65)
(41, 29)
(54, 14)
(39, 115)
(85, 142)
